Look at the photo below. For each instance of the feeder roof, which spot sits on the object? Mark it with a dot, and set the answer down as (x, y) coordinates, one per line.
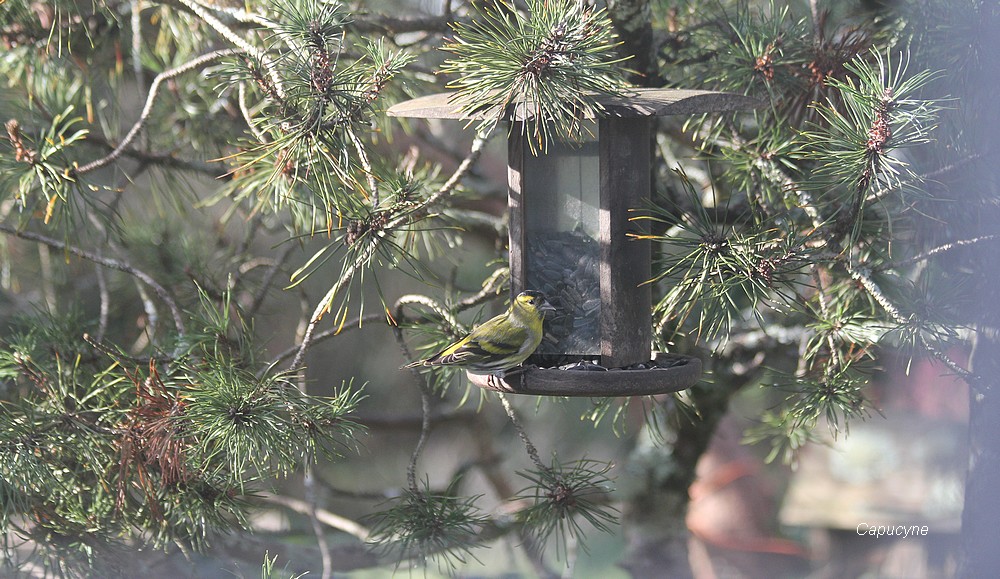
(636, 102)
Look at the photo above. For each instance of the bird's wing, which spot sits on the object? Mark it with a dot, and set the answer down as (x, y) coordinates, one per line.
(494, 340)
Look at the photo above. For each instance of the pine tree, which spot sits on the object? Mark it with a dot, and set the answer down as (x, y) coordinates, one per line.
(175, 175)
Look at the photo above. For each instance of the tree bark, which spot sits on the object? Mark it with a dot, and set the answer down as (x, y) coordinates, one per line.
(654, 520)
(633, 21)
(980, 527)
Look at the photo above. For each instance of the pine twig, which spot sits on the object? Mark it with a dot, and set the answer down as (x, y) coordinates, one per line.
(425, 401)
(202, 11)
(326, 335)
(425, 429)
(105, 309)
(240, 15)
(312, 510)
(241, 97)
(272, 272)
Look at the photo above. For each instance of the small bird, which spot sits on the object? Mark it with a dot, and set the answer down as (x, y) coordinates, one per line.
(500, 343)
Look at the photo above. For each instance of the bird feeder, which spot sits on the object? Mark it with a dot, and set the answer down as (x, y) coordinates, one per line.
(572, 237)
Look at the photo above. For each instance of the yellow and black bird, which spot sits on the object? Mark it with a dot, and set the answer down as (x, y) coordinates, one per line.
(500, 343)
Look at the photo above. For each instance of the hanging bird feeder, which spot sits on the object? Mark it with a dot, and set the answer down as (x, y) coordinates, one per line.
(572, 238)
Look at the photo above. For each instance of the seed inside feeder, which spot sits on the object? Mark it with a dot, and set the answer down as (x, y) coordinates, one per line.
(565, 265)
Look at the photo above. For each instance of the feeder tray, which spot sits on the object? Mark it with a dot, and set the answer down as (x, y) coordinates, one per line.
(664, 374)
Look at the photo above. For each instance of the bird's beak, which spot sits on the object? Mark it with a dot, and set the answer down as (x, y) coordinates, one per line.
(546, 307)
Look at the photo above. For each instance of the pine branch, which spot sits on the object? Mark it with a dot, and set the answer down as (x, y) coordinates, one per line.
(476, 150)
(202, 11)
(247, 116)
(312, 509)
(162, 159)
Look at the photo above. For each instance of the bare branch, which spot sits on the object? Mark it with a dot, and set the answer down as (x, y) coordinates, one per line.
(163, 160)
(247, 117)
(142, 276)
(466, 165)
(940, 249)
(324, 516)
(863, 277)
(202, 11)
(312, 510)
(148, 108)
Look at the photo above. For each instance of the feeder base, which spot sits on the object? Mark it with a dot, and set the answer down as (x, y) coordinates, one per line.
(664, 374)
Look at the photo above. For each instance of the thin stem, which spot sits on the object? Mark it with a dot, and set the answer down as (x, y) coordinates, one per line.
(428, 303)
(321, 308)
(528, 445)
(142, 276)
(265, 286)
(201, 10)
(478, 144)
(163, 160)
(312, 497)
(490, 289)
(312, 508)
(45, 264)
(148, 108)
(247, 116)
(240, 15)
(366, 165)
(135, 22)
(824, 310)
(152, 315)
(926, 176)
(327, 334)
(425, 403)
(425, 429)
(816, 20)
(102, 287)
